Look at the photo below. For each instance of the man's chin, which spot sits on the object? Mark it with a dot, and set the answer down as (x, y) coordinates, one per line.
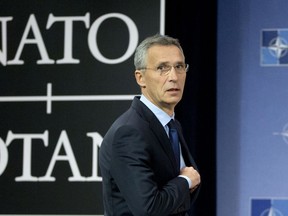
(173, 101)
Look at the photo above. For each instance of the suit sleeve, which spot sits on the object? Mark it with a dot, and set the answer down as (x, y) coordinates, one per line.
(132, 172)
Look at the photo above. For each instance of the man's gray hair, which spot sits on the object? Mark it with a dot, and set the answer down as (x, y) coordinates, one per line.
(140, 56)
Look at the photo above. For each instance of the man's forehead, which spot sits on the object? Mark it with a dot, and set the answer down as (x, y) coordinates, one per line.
(164, 54)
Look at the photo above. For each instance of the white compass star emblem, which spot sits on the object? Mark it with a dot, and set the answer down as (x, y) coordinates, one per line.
(278, 47)
(271, 212)
(284, 133)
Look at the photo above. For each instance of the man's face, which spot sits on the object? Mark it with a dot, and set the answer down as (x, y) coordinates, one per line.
(165, 90)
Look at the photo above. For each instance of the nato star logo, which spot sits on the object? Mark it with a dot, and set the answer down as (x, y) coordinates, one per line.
(274, 47)
(283, 133)
(269, 207)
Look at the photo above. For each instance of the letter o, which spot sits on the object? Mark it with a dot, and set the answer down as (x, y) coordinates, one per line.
(3, 156)
(133, 38)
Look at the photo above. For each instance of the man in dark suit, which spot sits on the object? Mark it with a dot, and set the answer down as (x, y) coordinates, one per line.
(141, 174)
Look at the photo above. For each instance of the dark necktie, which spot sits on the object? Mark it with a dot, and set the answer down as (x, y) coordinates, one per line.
(173, 136)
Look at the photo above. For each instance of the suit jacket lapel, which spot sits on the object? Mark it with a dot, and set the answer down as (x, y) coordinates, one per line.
(184, 147)
(164, 140)
(157, 129)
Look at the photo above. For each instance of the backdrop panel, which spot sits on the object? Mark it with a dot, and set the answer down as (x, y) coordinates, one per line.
(252, 147)
(67, 72)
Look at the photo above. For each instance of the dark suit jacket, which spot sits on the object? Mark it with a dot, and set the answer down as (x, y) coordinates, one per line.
(138, 169)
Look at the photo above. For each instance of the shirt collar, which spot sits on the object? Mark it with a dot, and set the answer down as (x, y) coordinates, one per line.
(162, 116)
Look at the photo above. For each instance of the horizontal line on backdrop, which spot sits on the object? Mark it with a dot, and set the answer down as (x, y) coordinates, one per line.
(66, 98)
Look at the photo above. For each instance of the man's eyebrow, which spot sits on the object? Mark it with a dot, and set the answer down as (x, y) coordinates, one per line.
(167, 63)
(163, 63)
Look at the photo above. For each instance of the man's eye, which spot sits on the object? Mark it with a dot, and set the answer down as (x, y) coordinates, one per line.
(180, 66)
(163, 67)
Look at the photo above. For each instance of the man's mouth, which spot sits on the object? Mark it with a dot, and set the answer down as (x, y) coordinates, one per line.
(173, 89)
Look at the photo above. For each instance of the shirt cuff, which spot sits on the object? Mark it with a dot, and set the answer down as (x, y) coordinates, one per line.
(188, 180)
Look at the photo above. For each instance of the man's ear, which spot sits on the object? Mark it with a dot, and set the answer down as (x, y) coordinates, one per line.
(140, 78)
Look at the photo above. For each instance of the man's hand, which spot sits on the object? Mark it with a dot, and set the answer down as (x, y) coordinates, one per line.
(193, 175)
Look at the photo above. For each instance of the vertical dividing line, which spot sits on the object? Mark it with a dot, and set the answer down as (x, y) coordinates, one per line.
(162, 16)
(49, 98)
